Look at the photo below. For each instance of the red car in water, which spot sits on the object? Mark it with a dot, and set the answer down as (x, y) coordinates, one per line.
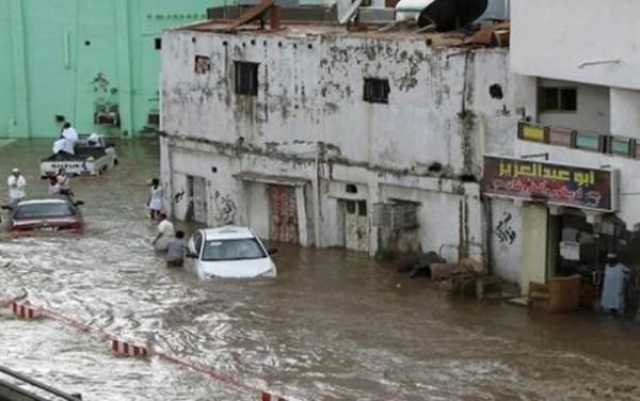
(46, 215)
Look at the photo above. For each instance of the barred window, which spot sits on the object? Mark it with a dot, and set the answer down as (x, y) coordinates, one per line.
(202, 65)
(376, 90)
(558, 99)
(246, 78)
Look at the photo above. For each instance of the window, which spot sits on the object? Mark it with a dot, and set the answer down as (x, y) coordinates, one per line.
(351, 207)
(246, 78)
(558, 99)
(351, 189)
(530, 132)
(561, 137)
(621, 146)
(43, 211)
(202, 64)
(158, 43)
(589, 141)
(232, 249)
(362, 208)
(376, 90)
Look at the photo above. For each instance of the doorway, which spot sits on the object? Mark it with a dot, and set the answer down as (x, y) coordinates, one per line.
(534, 247)
(356, 225)
(197, 189)
(284, 214)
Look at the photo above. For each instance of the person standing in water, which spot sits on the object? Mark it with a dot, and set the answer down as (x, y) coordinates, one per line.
(166, 232)
(155, 199)
(17, 185)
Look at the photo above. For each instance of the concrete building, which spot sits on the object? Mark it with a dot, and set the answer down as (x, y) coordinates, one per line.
(312, 134)
(548, 218)
(93, 62)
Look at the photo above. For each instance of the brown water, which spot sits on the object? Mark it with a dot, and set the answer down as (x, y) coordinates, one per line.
(332, 326)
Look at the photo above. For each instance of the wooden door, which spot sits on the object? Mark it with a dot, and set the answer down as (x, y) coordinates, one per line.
(534, 247)
(200, 204)
(356, 226)
(284, 214)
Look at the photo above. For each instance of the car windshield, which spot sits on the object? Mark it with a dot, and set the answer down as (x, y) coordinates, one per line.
(43, 210)
(232, 249)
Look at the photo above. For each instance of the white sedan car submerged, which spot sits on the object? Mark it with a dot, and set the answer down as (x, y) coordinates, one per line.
(230, 252)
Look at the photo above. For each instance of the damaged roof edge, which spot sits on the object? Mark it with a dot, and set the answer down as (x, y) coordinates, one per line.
(324, 20)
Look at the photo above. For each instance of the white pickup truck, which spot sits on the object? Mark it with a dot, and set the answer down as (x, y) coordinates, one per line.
(93, 156)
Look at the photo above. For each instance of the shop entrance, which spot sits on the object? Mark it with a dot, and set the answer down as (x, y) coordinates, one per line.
(534, 247)
(579, 249)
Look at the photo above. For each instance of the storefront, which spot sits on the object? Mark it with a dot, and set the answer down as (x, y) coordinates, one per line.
(567, 215)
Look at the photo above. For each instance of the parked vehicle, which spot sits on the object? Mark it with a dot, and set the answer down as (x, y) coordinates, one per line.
(93, 156)
(230, 252)
(45, 215)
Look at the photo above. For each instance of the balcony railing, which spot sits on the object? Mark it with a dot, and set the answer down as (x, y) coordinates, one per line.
(578, 139)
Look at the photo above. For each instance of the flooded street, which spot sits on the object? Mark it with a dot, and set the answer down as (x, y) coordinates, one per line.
(333, 325)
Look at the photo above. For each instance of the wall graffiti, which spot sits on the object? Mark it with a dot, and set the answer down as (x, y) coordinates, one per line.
(505, 233)
(226, 208)
(178, 197)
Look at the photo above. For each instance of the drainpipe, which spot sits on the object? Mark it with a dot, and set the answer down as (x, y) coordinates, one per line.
(316, 198)
(488, 218)
(169, 143)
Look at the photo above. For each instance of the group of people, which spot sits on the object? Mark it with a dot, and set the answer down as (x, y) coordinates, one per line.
(59, 184)
(168, 241)
(65, 144)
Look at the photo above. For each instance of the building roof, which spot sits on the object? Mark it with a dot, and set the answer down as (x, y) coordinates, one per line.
(307, 21)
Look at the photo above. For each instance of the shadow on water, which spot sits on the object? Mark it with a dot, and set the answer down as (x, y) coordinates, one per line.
(334, 325)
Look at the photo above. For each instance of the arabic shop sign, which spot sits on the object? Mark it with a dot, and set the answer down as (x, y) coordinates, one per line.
(551, 183)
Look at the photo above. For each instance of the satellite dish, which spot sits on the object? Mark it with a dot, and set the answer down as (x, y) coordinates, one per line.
(448, 15)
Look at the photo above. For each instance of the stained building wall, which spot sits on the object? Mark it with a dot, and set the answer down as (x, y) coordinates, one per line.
(309, 122)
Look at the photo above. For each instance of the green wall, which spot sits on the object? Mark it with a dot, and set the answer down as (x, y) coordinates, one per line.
(64, 57)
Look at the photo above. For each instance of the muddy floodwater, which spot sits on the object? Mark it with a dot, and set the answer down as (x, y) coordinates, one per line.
(333, 325)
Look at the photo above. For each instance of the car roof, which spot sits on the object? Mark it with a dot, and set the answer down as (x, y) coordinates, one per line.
(228, 232)
(51, 201)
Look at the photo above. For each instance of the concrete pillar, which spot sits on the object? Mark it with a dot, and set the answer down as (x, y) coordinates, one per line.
(533, 267)
(625, 112)
(21, 125)
(124, 65)
(374, 197)
(302, 216)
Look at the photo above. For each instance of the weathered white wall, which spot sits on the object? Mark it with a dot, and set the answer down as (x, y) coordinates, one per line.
(625, 113)
(258, 208)
(498, 120)
(441, 219)
(506, 240)
(315, 94)
(593, 111)
(550, 38)
(309, 122)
